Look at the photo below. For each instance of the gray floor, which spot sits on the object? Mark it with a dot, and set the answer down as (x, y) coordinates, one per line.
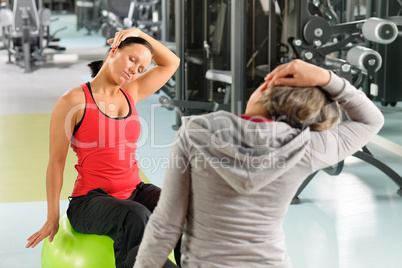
(350, 220)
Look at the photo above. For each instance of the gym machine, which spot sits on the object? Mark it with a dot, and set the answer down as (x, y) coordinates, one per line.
(142, 14)
(112, 16)
(388, 78)
(265, 34)
(202, 42)
(342, 47)
(88, 14)
(213, 47)
(313, 31)
(26, 33)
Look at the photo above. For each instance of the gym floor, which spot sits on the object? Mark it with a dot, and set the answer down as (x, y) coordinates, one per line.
(350, 220)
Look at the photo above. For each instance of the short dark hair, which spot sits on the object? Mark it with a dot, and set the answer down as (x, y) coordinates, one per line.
(95, 66)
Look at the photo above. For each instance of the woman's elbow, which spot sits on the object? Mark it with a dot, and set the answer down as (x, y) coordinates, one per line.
(176, 62)
(380, 122)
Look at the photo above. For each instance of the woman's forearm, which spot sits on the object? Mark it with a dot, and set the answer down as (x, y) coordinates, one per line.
(358, 107)
(54, 183)
(162, 55)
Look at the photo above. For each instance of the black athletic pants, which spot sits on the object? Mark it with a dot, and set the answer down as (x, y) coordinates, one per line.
(122, 220)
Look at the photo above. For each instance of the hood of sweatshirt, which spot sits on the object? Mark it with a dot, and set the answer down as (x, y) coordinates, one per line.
(248, 155)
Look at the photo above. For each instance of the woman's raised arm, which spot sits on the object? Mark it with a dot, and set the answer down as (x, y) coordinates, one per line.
(166, 64)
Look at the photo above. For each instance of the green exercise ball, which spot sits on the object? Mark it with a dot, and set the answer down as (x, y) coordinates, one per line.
(71, 249)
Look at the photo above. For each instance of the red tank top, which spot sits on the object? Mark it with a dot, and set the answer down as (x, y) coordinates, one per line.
(106, 148)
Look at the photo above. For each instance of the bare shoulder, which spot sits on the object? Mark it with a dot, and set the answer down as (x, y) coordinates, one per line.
(71, 103)
(72, 97)
(66, 113)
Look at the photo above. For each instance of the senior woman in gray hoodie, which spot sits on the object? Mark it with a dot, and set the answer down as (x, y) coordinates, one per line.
(231, 178)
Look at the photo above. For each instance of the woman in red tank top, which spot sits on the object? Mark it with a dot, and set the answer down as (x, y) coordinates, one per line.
(99, 121)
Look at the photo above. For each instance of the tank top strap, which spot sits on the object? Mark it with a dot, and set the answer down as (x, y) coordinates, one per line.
(87, 91)
(129, 98)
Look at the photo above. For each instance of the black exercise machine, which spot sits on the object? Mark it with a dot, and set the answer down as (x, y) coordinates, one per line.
(26, 32)
(314, 31)
(341, 47)
(125, 14)
(203, 81)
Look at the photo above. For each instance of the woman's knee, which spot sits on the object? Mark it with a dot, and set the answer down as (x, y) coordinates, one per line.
(137, 215)
(133, 226)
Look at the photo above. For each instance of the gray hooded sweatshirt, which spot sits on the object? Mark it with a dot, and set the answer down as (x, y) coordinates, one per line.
(230, 181)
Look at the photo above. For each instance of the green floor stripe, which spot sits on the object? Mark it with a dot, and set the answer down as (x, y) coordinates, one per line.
(24, 156)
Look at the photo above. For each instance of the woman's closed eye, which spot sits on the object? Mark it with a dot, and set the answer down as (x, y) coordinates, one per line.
(140, 69)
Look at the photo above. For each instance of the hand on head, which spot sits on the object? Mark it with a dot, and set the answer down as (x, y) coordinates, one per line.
(263, 86)
(298, 73)
(121, 35)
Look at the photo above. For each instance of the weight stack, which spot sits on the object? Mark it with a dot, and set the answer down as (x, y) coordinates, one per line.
(389, 77)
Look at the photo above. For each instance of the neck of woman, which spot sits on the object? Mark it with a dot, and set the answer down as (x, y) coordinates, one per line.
(102, 83)
(257, 111)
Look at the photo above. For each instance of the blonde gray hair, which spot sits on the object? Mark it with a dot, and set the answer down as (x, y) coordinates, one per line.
(301, 107)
